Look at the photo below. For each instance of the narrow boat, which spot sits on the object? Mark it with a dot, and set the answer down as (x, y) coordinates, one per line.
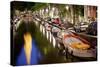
(76, 45)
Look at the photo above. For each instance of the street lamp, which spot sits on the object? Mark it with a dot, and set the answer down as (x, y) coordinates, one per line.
(53, 8)
(47, 10)
(67, 7)
(52, 12)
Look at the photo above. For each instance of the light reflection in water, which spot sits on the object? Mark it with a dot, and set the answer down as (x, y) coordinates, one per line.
(30, 53)
(28, 46)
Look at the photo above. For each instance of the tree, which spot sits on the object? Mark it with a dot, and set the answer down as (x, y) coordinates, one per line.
(39, 6)
(77, 11)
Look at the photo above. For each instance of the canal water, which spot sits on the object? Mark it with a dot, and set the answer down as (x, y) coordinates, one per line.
(35, 55)
(43, 51)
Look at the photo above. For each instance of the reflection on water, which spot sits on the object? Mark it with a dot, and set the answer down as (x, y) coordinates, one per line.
(35, 55)
(28, 46)
(43, 51)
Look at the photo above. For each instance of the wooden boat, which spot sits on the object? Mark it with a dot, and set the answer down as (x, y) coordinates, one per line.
(76, 45)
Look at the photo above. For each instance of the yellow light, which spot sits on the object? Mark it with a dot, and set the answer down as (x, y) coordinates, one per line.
(28, 46)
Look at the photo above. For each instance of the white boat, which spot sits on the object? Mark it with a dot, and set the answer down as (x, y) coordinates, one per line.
(76, 45)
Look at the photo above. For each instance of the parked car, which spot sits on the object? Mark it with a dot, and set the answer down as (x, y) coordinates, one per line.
(81, 27)
(92, 28)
